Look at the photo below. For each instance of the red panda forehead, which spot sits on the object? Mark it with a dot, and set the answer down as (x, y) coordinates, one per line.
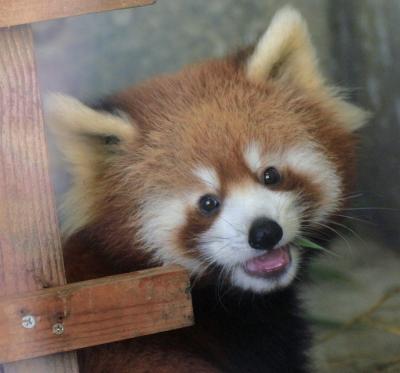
(208, 90)
(210, 114)
(216, 125)
(215, 107)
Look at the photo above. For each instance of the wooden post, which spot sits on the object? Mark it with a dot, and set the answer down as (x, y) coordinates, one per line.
(30, 250)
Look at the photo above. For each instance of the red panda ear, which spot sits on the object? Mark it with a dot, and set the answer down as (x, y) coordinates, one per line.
(87, 137)
(90, 141)
(285, 53)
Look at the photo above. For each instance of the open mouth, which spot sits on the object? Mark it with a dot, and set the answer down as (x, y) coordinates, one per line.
(271, 264)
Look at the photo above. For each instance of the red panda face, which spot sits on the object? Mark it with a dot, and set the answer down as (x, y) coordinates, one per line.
(234, 173)
(220, 167)
(245, 225)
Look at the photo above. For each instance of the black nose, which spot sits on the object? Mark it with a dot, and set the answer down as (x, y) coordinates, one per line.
(264, 234)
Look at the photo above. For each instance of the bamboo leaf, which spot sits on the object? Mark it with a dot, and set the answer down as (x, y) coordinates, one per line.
(304, 242)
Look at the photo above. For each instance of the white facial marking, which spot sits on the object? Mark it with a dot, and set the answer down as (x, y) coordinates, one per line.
(311, 162)
(208, 176)
(253, 156)
(161, 217)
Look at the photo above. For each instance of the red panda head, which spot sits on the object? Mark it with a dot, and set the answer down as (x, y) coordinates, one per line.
(220, 166)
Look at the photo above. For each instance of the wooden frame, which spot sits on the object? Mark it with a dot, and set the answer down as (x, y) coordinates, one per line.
(92, 312)
(39, 313)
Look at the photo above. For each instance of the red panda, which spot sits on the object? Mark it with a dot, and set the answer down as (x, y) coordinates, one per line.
(219, 168)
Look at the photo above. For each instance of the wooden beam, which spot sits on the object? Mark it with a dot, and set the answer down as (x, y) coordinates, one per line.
(18, 12)
(30, 250)
(94, 312)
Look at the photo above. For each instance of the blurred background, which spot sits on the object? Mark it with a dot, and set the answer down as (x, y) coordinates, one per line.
(354, 298)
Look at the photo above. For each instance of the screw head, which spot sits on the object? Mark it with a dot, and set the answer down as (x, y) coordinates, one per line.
(28, 321)
(58, 329)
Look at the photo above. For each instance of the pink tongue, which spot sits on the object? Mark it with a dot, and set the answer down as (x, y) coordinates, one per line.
(271, 261)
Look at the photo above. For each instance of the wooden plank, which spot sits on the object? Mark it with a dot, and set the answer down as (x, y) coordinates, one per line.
(30, 251)
(94, 312)
(18, 12)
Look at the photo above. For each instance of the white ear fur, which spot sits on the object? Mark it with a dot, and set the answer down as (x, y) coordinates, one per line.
(81, 132)
(285, 53)
(285, 49)
(78, 128)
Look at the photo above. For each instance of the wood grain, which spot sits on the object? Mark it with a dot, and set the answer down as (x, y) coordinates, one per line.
(95, 312)
(30, 252)
(18, 12)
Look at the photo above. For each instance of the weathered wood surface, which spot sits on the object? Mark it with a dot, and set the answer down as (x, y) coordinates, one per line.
(18, 12)
(94, 312)
(30, 251)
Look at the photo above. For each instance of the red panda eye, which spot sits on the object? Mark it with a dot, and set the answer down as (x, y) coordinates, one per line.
(208, 204)
(271, 176)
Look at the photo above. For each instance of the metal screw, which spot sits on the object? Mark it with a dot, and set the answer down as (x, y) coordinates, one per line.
(28, 322)
(58, 329)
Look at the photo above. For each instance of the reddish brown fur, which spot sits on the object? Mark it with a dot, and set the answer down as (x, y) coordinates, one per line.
(196, 223)
(309, 191)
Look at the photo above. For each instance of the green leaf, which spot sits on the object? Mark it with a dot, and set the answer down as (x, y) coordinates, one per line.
(303, 242)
